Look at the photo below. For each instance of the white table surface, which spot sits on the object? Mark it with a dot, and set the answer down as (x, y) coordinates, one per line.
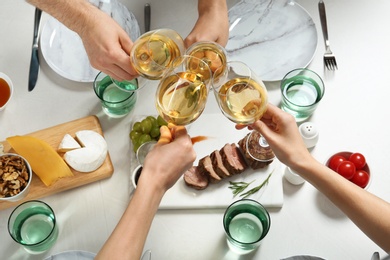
(352, 116)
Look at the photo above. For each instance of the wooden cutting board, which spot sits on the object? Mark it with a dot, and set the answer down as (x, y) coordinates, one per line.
(53, 137)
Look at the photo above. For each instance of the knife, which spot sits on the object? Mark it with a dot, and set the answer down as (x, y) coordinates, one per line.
(34, 64)
(147, 17)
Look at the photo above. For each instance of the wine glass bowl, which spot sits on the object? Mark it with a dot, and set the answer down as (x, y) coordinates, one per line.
(240, 93)
(153, 52)
(210, 52)
(182, 93)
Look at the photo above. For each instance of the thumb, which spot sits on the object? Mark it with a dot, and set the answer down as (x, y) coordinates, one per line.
(165, 135)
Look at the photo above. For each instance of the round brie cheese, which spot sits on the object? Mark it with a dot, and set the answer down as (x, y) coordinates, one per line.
(91, 155)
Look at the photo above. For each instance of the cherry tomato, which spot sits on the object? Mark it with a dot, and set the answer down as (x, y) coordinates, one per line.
(361, 178)
(346, 169)
(358, 159)
(335, 161)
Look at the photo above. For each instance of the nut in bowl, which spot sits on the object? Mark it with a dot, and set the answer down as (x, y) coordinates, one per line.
(352, 166)
(15, 177)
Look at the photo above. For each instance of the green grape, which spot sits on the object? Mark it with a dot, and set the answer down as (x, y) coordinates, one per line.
(137, 126)
(134, 135)
(146, 126)
(161, 121)
(155, 133)
(144, 138)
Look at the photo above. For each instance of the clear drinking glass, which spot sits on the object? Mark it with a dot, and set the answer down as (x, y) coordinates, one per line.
(246, 223)
(182, 94)
(240, 93)
(302, 90)
(153, 52)
(33, 225)
(116, 101)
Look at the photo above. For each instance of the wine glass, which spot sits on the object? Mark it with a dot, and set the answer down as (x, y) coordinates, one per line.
(240, 93)
(210, 52)
(153, 52)
(182, 93)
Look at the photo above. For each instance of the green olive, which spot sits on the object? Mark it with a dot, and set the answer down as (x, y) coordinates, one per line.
(144, 138)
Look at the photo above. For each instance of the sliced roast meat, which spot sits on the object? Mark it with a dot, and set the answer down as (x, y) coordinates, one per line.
(232, 159)
(266, 154)
(195, 179)
(205, 166)
(219, 168)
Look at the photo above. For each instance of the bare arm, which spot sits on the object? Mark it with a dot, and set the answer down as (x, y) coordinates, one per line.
(158, 175)
(362, 207)
(212, 23)
(106, 43)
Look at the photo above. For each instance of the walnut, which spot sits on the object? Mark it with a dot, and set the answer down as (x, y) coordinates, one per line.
(14, 175)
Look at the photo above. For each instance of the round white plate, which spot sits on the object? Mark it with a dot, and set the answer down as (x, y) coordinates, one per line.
(64, 51)
(72, 255)
(272, 37)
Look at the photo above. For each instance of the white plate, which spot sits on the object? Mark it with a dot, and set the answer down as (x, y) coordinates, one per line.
(64, 51)
(220, 131)
(72, 255)
(272, 37)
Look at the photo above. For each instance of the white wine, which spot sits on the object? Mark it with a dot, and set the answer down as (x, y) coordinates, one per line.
(242, 100)
(153, 53)
(181, 97)
(213, 54)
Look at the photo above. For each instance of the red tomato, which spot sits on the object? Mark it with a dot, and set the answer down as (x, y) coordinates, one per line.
(346, 169)
(335, 161)
(361, 178)
(358, 159)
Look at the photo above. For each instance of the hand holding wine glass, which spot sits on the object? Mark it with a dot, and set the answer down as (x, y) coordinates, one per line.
(182, 94)
(153, 52)
(241, 95)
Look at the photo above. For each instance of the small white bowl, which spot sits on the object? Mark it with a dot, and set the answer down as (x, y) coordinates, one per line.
(11, 87)
(23, 193)
(293, 177)
(135, 175)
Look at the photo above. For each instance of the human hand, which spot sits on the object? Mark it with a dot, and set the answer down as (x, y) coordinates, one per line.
(212, 23)
(107, 45)
(281, 132)
(169, 159)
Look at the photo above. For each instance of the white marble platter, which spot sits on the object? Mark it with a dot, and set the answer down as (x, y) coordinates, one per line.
(64, 51)
(273, 37)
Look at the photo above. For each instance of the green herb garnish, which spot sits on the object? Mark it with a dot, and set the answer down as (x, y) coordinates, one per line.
(239, 187)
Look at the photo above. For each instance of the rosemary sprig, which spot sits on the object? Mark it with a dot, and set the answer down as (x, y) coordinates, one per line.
(238, 187)
(256, 189)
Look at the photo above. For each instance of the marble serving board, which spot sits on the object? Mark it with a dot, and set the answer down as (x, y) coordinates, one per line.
(272, 37)
(220, 131)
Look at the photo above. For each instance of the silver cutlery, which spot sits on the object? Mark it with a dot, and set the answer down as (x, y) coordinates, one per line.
(147, 17)
(34, 64)
(329, 57)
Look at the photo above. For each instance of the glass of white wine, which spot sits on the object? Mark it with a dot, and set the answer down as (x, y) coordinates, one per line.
(153, 52)
(182, 93)
(240, 93)
(210, 52)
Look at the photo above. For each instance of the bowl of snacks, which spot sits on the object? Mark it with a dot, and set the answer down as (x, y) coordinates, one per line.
(352, 166)
(15, 177)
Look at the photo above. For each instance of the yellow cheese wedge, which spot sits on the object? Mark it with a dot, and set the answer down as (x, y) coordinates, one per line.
(44, 160)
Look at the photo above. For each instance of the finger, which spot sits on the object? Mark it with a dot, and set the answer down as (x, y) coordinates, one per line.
(165, 135)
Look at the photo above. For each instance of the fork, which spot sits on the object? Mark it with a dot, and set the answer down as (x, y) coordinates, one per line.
(329, 58)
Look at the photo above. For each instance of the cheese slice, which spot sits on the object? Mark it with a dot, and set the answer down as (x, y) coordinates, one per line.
(91, 156)
(44, 160)
(68, 143)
